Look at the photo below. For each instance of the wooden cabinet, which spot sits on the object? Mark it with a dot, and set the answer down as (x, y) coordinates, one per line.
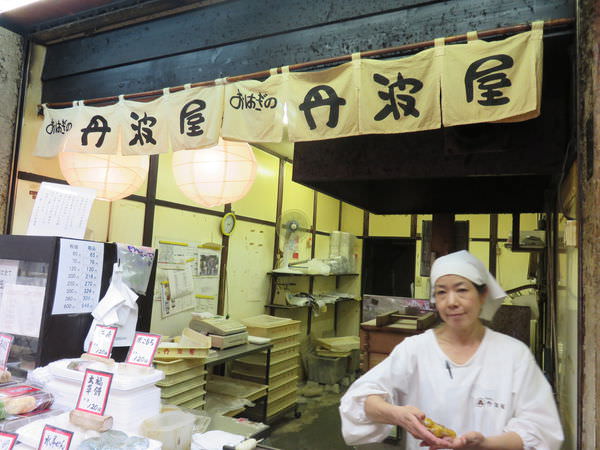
(378, 342)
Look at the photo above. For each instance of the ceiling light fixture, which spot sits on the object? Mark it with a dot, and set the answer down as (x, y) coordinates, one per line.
(8, 5)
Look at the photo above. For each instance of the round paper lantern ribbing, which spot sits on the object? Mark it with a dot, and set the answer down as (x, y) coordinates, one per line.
(216, 175)
(113, 176)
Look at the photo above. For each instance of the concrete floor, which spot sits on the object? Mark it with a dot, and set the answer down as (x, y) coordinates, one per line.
(317, 428)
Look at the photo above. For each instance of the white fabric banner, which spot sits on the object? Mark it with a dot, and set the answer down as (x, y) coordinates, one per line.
(324, 104)
(97, 129)
(57, 126)
(195, 117)
(253, 110)
(145, 125)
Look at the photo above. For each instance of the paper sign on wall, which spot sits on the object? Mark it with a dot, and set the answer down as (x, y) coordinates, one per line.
(61, 210)
(102, 341)
(94, 392)
(5, 343)
(7, 440)
(143, 349)
(79, 277)
(54, 438)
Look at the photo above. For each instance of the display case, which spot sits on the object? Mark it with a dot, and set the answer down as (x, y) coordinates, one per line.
(29, 276)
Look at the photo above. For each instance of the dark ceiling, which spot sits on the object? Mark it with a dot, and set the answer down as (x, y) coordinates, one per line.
(50, 21)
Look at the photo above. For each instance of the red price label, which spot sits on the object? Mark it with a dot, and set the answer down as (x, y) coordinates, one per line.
(102, 341)
(143, 349)
(54, 438)
(5, 344)
(7, 440)
(94, 392)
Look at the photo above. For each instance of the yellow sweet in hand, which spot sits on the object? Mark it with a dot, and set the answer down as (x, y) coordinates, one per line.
(438, 430)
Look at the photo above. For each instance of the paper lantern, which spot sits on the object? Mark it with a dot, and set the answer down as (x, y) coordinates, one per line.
(113, 176)
(216, 175)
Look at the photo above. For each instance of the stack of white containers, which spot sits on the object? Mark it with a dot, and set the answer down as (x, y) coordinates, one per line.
(133, 396)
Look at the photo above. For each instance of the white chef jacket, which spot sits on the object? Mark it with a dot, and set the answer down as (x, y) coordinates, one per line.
(499, 389)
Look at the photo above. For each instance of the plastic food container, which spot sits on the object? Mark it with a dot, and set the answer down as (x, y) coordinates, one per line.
(128, 408)
(173, 429)
(23, 398)
(127, 377)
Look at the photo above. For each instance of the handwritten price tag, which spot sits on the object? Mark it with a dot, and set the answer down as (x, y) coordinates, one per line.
(143, 349)
(54, 438)
(102, 342)
(5, 343)
(94, 392)
(7, 440)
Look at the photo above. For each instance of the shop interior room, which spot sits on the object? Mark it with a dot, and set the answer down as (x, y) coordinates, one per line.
(195, 266)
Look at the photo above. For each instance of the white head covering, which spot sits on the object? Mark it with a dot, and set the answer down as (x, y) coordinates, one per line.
(464, 264)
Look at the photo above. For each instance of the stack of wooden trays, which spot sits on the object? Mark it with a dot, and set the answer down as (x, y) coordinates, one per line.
(284, 364)
(184, 382)
(235, 388)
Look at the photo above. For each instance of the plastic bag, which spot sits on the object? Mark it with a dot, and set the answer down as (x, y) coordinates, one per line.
(137, 265)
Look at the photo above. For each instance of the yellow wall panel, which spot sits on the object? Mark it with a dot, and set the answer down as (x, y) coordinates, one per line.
(392, 225)
(23, 206)
(296, 196)
(479, 224)
(352, 219)
(261, 201)
(322, 246)
(328, 213)
(97, 226)
(481, 250)
(166, 189)
(511, 268)
(127, 222)
(323, 285)
(348, 318)
(249, 260)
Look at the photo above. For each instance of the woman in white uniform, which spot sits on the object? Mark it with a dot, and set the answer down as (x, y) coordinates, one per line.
(484, 385)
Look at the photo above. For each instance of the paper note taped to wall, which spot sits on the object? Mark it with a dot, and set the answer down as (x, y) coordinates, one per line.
(61, 210)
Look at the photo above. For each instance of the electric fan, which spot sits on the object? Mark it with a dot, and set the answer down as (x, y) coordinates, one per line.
(292, 228)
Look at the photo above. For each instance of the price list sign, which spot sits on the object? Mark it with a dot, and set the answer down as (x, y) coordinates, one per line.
(5, 343)
(102, 342)
(94, 392)
(7, 440)
(79, 277)
(54, 438)
(143, 349)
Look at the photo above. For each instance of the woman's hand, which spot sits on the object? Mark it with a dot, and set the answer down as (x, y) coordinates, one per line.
(408, 417)
(411, 419)
(472, 440)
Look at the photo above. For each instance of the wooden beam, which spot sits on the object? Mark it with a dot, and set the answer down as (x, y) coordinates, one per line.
(179, 49)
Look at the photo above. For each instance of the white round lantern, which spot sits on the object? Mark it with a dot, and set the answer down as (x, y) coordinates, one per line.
(113, 176)
(216, 175)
